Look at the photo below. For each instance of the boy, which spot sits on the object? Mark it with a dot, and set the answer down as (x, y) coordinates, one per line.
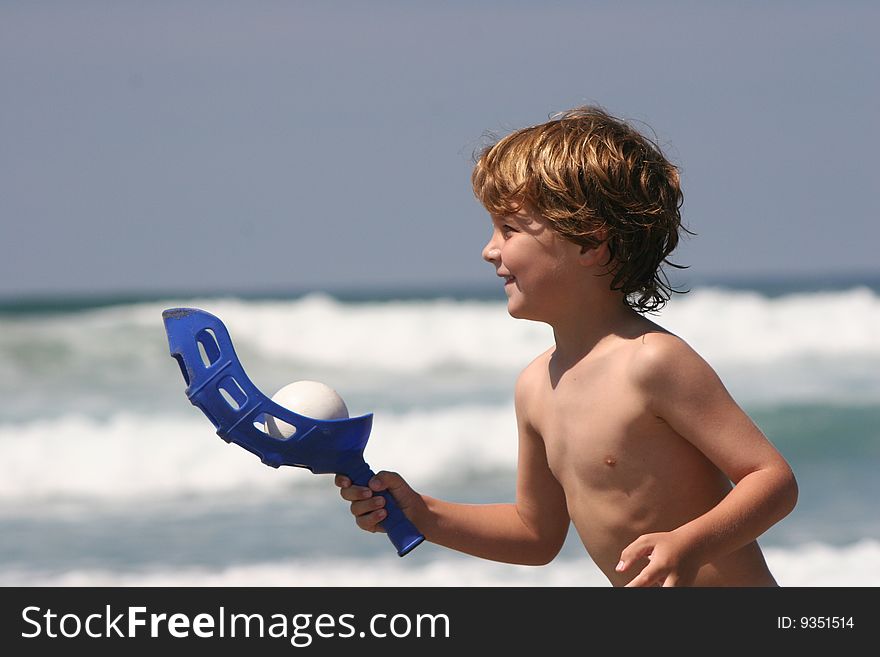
(624, 430)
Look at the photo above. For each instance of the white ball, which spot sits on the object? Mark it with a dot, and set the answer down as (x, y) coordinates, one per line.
(310, 398)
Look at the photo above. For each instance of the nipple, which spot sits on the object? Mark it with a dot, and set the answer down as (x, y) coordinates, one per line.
(610, 461)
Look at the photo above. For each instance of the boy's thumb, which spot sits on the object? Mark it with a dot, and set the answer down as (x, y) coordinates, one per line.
(385, 480)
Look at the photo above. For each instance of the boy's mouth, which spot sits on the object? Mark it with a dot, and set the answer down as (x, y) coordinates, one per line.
(508, 279)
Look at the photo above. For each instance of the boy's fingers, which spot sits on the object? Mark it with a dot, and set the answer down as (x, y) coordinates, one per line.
(386, 480)
(364, 507)
(637, 581)
(370, 522)
(353, 493)
(639, 548)
(380, 482)
(654, 576)
(644, 578)
(367, 506)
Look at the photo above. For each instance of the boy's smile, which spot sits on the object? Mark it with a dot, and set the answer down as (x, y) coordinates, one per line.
(537, 264)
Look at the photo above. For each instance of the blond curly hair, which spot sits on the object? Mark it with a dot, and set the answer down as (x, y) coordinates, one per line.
(594, 178)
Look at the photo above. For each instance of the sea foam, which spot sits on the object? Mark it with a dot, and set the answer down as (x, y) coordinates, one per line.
(814, 564)
(130, 455)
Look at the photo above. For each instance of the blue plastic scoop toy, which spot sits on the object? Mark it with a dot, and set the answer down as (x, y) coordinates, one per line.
(216, 384)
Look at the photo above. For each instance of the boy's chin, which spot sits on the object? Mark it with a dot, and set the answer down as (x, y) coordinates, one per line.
(518, 312)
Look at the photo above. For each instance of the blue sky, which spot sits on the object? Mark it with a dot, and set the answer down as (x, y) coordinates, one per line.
(290, 145)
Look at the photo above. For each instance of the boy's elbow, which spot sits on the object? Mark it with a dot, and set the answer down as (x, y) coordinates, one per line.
(543, 537)
(544, 552)
(540, 558)
(788, 492)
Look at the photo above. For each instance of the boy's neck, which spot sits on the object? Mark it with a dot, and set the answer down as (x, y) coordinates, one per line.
(579, 332)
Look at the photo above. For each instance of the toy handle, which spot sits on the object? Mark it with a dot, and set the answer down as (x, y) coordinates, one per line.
(400, 530)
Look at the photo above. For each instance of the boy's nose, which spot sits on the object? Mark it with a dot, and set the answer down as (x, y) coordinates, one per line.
(491, 253)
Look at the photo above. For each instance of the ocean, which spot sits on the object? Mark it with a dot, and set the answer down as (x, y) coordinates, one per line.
(108, 476)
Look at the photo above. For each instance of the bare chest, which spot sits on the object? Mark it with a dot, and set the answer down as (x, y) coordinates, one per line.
(598, 431)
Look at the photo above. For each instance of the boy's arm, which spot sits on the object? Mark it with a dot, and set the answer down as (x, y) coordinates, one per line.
(531, 531)
(686, 393)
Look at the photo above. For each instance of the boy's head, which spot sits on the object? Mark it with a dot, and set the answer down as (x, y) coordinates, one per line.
(594, 179)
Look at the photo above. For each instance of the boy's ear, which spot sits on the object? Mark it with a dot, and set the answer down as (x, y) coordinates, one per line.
(595, 255)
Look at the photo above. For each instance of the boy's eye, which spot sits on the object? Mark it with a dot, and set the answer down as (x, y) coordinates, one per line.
(506, 228)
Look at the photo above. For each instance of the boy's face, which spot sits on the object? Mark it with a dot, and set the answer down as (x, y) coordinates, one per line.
(538, 265)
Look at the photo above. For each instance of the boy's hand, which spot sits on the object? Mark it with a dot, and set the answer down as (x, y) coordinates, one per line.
(367, 508)
(671, 563)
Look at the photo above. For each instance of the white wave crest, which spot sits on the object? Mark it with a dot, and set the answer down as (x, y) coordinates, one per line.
(154, 457)
(748, 327)
(813, 565)
(798, 347)
(420, 335)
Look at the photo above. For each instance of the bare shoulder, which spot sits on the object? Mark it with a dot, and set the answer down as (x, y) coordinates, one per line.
(683, 390)
(660, 361)
(530, 382)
